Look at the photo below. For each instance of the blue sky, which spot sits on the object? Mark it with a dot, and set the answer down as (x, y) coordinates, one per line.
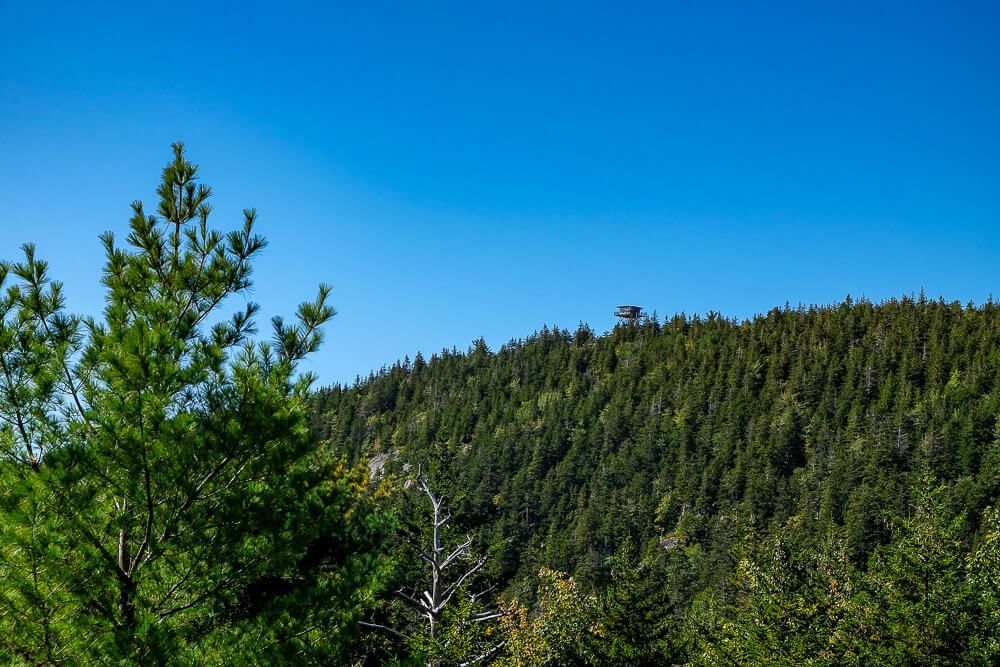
(472, 169)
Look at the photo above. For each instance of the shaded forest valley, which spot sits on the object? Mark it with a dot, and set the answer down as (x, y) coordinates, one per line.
(817, 485)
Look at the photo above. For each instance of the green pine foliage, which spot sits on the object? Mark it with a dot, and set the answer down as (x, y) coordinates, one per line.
(162, 500)
(635, 612)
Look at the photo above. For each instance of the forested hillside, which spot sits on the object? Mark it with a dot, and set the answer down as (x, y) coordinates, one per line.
(750, 468)
(815, 486)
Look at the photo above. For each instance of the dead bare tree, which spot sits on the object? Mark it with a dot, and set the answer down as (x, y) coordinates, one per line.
(450, 571)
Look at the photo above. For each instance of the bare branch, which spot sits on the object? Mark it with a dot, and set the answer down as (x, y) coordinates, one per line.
(483, 656)
(461, 580)
(459, 550)
(410, 599)
(386, 628)
(485, 616)
(475, 596)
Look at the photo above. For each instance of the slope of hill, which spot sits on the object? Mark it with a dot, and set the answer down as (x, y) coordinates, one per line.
(696, 437)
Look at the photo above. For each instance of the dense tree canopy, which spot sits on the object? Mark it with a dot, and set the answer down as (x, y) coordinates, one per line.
(791, 455)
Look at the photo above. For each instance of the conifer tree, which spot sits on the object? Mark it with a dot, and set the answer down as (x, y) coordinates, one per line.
(162, 501)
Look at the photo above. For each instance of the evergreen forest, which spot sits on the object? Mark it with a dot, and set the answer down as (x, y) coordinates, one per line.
(817, 485)
(813, 486)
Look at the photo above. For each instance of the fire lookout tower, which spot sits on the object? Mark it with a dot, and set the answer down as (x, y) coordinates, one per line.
(629, 313)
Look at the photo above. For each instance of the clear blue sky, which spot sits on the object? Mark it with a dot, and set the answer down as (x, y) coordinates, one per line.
(479, 169)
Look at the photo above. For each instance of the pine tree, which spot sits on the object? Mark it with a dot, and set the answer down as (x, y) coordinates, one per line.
(162, 498)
